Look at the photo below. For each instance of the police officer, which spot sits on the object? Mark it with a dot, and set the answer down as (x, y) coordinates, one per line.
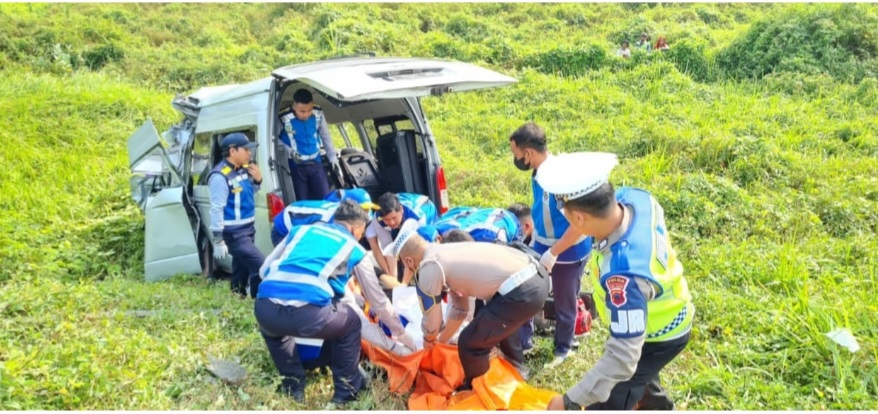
(233, 184)
(304, 279)
(394, 211)
(304, 212)
(640, 289)
(511, 282)
(307, 127)
(564, 251)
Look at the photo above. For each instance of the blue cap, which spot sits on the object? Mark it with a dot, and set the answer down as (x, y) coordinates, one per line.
(237, 140)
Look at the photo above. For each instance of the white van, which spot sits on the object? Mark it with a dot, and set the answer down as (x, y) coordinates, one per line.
(372, 103)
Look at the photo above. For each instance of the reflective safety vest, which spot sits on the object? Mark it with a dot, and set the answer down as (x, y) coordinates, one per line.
(643, 251)
(550, 225)
(314, 267)
(240, 208)
(483, 224)
(304, 212)
(306, 137)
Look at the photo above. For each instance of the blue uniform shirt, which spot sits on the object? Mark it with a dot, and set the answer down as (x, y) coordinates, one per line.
(232, 193)
(550, 224)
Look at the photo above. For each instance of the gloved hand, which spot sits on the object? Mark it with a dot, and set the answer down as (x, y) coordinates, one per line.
(548, 259)
(407, 340)
(220, 250)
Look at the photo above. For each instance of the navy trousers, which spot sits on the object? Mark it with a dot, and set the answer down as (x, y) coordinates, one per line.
(309, 181)
(336, 324)
(246, 259)
(566, 280)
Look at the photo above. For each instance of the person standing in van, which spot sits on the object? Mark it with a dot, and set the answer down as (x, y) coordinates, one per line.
(307, 127)
(554, 239)
(233, 184)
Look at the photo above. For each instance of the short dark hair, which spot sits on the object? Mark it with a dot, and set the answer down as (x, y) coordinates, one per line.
(530, 135)
(456, 235)
(350, 212)
(598, 203)
(388, 203)
(303, 96)
(520, 210)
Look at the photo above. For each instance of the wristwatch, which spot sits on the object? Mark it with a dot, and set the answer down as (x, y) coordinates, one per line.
(569, 405)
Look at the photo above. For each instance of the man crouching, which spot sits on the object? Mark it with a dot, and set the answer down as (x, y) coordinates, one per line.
(513, 284)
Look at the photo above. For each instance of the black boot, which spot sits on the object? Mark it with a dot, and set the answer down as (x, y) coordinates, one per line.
(293, 388)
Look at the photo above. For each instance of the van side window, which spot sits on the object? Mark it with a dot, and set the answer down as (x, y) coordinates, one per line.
(201, 162)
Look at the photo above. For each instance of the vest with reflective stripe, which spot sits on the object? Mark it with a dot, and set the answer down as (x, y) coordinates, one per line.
(483, 224)
(304, 212)
(240, 208)
(314, 266)
(305, 134)
(645, 251)
(550, 225)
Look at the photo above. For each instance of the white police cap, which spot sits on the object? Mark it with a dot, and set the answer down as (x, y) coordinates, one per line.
(408, 229)
(570, 176)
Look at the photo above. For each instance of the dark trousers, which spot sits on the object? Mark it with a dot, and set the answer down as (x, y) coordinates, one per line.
(336, 324)
(246, 259)
(309, 181)
(498, 323)
(566, 280)
(644, 389)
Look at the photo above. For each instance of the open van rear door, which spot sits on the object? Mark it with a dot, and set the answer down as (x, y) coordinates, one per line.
(358, 79)
(169, 243)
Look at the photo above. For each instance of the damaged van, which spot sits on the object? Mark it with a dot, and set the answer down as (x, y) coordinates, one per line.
(372, 105)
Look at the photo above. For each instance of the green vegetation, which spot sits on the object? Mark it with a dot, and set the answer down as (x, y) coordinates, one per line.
(758, 135)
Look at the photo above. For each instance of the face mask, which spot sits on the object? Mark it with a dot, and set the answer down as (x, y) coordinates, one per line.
(520, 164)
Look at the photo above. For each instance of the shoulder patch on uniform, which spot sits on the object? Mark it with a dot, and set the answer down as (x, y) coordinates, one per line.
(427, 301)
(616, 286)
(226, 169)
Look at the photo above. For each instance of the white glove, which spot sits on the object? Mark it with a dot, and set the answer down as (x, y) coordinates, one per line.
(220, 250)
(548, 259)
(407, 340)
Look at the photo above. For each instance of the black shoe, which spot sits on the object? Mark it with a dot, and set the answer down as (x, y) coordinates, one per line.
(339, 402)
(293, 389)
(463, 387)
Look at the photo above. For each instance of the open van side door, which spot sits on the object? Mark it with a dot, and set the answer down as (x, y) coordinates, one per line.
(157, 186)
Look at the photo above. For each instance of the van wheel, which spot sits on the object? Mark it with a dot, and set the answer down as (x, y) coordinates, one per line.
(205, 255)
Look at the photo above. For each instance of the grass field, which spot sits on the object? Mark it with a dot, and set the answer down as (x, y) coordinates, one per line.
(758, 133)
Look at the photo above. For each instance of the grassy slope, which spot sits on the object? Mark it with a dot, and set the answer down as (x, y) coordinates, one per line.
(769, 189)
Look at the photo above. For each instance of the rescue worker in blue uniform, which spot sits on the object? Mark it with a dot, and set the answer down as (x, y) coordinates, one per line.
(304, 281)
(564, 250)
(304, 212)
(640, 290)
(233, 184)
(308, 129)
(395, 210)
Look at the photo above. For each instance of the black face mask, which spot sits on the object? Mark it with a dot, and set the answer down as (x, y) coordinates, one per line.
(520, 164)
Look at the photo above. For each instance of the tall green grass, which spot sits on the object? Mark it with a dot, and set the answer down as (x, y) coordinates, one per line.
(768, 186)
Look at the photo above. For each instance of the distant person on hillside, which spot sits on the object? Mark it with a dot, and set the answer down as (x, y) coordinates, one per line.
(643, 44)
(624, 52)
(662, 44)
(640, 291)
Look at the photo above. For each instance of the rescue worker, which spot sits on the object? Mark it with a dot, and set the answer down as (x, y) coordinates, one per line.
(233, 184)
(394, 211)
(512, 283)
(564, 250)
(640, 289)
(304, 279)
(311, 211)
(307, 126)
(525, 220)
